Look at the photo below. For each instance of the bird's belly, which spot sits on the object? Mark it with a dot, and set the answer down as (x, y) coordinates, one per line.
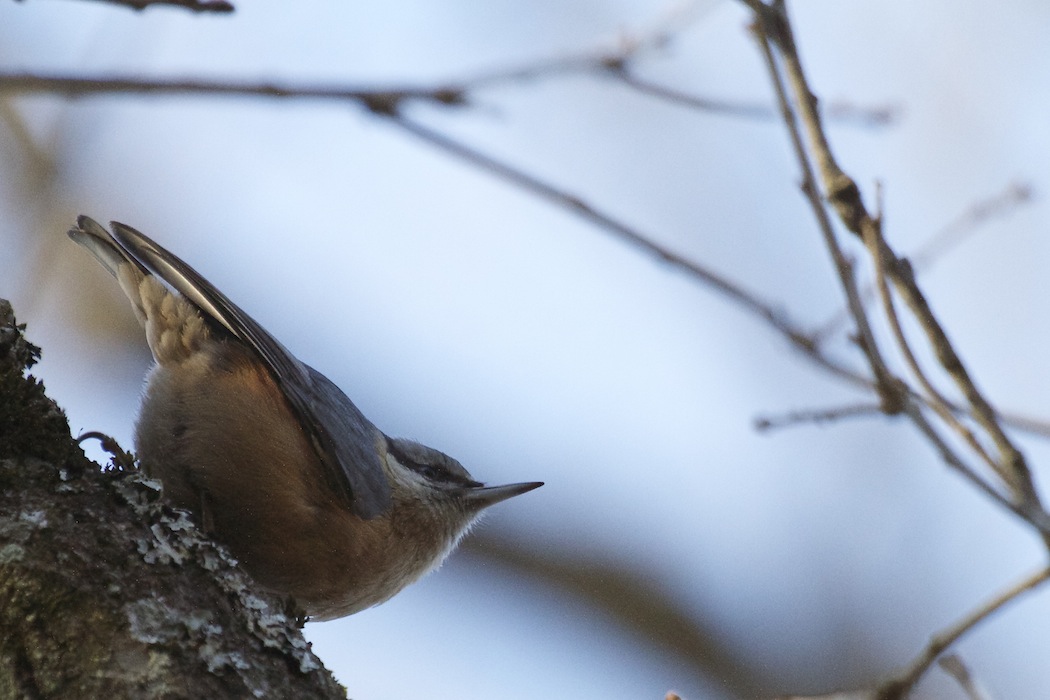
(226, 448)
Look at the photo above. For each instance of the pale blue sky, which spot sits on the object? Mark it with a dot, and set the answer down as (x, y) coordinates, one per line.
(462, 312)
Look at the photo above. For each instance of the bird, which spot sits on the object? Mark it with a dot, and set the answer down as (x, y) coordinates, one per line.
(270, 457)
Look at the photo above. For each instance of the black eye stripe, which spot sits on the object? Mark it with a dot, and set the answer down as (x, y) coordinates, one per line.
(431, 471)
(437, 469)
(438, 473)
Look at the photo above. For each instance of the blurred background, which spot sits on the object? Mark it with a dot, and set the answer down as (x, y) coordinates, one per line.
(673, 546)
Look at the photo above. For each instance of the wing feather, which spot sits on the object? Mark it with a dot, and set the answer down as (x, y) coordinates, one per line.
(345, 440)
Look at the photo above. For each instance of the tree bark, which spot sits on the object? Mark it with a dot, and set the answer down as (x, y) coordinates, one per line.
(108, 592)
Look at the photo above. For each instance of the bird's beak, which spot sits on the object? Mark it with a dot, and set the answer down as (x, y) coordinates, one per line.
(485, 496)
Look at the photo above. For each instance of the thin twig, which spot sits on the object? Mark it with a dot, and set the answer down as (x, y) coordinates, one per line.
(886, 384)
(601, 60)
(684, 99)
(387, 103)
(376, 100)
(577, 205)
(449, 94)
(940, 243)
(933, 398)
(772, 26)
(211, 6)
(953, 665)
(597, 61)
(900, 686)
(1012, 463)
(121, 458)
(1027, 511)
(614, 62)
(815, 416)
(562, 198)
(1025, 423)
(750, 301)
(954, 461)
(840, 112)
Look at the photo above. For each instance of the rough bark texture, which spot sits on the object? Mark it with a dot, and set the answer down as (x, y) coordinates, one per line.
(105, 591)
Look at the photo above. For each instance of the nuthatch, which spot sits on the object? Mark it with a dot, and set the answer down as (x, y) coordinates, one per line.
(272, 458)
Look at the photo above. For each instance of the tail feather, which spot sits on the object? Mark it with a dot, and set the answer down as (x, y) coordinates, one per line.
(178, 324)
(129, 272)
(89, 234)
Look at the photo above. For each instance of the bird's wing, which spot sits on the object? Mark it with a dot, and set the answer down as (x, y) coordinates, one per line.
(345, 440)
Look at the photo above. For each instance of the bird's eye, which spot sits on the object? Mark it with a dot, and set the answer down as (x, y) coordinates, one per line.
(432, 472)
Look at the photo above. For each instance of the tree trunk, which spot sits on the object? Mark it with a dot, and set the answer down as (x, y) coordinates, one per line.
(106, 591)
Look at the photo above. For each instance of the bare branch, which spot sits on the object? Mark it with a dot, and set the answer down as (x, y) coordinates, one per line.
(212, 6)
(577, 205)
(839, 112)
(565, 200)
(950, 236)
(933, 398)
(888, 386)
(953, 665)
(1025, 423)
(618, 64)
(1039, 520)
(375, 100)
(900, 686)
(773, 27)
(816, 416)
(1012, 463)
(683, 99)
(609, 62)
(388, 103)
